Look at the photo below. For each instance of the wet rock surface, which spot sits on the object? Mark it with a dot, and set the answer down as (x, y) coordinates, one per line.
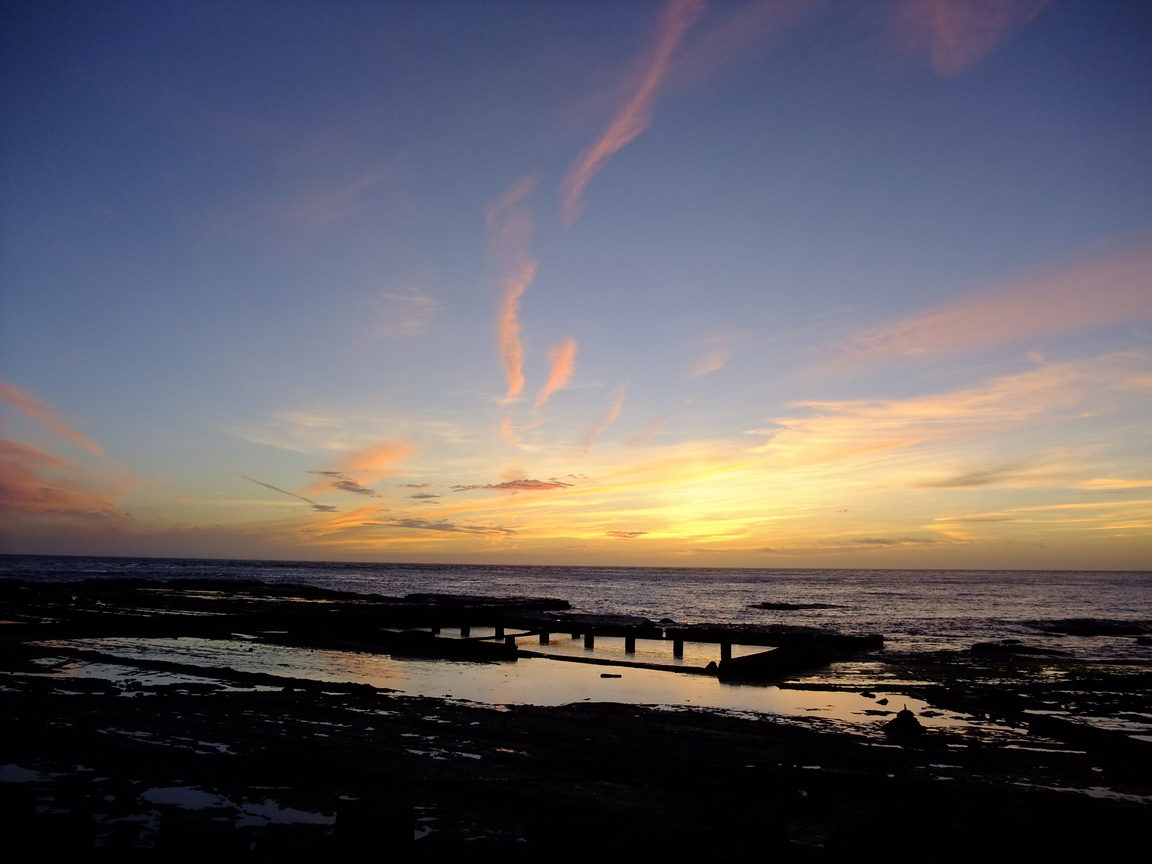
(248, 767)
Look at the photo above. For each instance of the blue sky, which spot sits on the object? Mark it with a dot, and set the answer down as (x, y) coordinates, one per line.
(814, 283)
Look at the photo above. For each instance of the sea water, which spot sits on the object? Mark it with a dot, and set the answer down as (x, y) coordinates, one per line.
(915, 610)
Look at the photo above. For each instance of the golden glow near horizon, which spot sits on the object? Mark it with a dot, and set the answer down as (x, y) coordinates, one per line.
(661, 300)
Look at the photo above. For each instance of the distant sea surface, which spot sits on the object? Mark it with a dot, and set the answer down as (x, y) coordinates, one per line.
(914, 609)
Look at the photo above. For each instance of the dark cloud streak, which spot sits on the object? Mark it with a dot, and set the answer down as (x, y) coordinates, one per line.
(444, 525)
(320, 508)
(346, 484)
(518, 486)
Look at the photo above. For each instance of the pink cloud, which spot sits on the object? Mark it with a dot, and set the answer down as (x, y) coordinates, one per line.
(733, 32)
(46, 416)
(34, 482)
(614, 406)
(715, 352)
(1093, 294)
(635, 115)
(562, 357)
(956, 33)
(509, 228)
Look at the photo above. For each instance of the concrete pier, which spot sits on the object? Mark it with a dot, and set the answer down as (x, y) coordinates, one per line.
(589, 640)
(678, 649)
(629, 644)
(465, 631)
(544, 634)
(725, 651)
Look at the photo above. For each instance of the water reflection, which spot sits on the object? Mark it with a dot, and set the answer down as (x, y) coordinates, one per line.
(530, 681)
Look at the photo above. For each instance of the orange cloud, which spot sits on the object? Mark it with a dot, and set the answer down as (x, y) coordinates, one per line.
(635, 115)
(617, 401)
(562, 357)
(625, 535)
(46, 416)
(1093, 294)
(710, 362)
(367, 463)
(716, 351)
(509, 227)
(34, 482)
(957, 33)
(1047, 393)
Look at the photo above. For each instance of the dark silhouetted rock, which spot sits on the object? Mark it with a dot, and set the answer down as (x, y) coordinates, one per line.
(1010, 647)
(1094, 627)
(787, 607)
(904, 723)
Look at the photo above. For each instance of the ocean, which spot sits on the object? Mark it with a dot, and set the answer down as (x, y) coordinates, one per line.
(915, 610)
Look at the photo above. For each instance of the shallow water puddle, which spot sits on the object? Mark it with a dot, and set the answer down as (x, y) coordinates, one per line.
(530, 681)
(258, 814)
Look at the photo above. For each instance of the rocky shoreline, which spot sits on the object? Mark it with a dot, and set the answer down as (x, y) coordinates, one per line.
(256, 766)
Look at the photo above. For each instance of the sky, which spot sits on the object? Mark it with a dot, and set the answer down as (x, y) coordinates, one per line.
(747, 283)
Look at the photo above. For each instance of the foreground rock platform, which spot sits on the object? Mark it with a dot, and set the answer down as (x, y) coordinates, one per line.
(269, 768)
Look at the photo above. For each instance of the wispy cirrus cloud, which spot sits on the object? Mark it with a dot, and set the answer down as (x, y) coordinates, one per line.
(971, 479)
(47, 416)
(954, 34)
(320, 508)
(973, 519)
(635, 115)
(732, 32)
(562, 365)
(36, 483)
(509, 229)
(363, 464)
(1093, 294)
(712, 354)
(647, 433)
(1050, 391)
(405, 313)
(616, 402)
(1114, 484)
(328, 202)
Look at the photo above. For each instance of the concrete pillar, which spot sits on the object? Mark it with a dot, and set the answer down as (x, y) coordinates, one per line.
(510, 639)
(465, 631)
(725, 651)
(435, 631)
(499, 633)
(544, 634)
(629, 644)
(678, 649)
(589, 641)
(575, 634)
